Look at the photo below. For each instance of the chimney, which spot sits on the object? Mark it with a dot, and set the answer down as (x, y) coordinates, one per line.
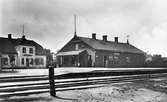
(116, 39)
(127, 41)
(23, 37)
(9, 36)
(104, 37)
(93, 35)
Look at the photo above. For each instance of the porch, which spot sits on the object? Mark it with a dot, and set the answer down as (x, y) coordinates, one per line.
(79, 58)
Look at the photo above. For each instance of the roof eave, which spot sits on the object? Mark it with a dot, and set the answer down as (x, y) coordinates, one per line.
(121, 51)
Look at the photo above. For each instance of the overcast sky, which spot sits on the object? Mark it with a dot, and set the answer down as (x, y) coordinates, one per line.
(51, 22)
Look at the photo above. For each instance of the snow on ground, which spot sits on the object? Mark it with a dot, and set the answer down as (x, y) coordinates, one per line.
(58, 71)
(115, 94)
(131, 92)
(154, 90)
(24, 72)
(146, 91)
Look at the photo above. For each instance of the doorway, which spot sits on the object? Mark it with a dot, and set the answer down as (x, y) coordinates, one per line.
(105, 61)
(27, 62)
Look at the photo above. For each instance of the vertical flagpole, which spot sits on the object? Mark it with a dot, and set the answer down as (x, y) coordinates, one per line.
(75, 28)
(23, 30)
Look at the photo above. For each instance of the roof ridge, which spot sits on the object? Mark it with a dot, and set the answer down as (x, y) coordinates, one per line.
(15, 38)
(104, 41)
(99, 44)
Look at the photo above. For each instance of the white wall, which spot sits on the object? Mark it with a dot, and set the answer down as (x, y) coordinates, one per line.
(29, 56)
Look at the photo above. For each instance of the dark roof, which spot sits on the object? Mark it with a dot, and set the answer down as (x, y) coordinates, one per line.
(39, 49)
(164, 58)
(110, 45)
(6, 46)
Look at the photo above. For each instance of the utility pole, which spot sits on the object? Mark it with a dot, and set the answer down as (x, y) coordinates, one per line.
(23, 30)
(75, 28)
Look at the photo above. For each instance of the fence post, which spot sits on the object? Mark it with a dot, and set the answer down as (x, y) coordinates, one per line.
(52, 82)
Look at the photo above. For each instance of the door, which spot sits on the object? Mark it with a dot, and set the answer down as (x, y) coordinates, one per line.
(89, 61)
(105, 61)
(27, 62)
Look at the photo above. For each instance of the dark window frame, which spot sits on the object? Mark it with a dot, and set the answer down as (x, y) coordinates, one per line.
(22, 61)
(24, 50)
(31, 50)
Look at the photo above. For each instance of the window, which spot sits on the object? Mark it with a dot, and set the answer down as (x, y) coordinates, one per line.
(24, 50)
(31, 61)
(76, 46)
(104, 58)
(73, 60)
(27, 61)
(39, 61)
(127, 59)
(105, 61)
(31, 50)
(22, 61)
(110, 58)
(4, 61)
(116, 60)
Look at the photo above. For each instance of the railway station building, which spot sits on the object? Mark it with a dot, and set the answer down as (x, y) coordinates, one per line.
(92, 52)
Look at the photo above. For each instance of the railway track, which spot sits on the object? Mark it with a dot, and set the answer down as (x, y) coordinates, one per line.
(40, 84)
(85, 83)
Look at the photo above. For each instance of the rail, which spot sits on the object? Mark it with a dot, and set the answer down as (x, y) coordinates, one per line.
(27, 85)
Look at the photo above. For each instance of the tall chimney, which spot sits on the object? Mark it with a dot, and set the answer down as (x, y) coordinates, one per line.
(9, 36)
(104, 37)
(93, 35)
(116, 39)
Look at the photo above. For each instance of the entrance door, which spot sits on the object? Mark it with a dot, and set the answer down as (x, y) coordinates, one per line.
(89, 61)
(105, 61)
(27, 62)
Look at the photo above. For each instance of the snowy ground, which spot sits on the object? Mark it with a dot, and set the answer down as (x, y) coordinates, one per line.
(147, 91)
(58, 71)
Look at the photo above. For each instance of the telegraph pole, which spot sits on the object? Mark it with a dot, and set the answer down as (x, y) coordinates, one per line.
(75, 26)
(23, 30)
